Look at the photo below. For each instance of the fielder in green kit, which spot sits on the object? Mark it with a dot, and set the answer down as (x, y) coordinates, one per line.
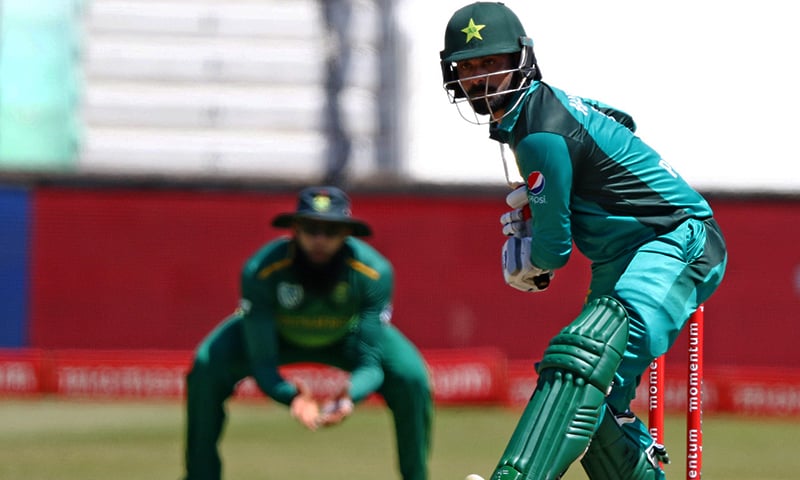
(656, 251)
(321, 296)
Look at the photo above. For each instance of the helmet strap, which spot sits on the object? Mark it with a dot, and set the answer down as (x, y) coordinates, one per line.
(505, 167)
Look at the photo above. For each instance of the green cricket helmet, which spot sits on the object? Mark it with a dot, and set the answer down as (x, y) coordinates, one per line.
(481, 29)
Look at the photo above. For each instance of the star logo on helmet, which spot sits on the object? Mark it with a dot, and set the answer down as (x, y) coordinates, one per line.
(473, 31)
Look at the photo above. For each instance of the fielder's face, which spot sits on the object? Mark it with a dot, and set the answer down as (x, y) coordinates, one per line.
(486, 80)
(320, 240)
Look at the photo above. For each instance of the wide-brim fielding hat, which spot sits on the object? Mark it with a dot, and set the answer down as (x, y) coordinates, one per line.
(326, 204)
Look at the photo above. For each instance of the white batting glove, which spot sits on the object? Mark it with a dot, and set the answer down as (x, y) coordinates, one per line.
(518, 197)
(518, 270)
(517, 221)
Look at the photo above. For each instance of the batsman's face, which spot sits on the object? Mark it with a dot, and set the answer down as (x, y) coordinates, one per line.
(486, 80)
(320, 241)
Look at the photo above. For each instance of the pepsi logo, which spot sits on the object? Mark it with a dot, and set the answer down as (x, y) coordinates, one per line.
(535, 183)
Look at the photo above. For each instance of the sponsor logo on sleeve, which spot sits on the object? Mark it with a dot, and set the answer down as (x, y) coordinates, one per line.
(536, 184)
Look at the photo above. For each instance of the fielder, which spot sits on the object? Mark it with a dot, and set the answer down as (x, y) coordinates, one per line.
(322, 296)
(656, 251)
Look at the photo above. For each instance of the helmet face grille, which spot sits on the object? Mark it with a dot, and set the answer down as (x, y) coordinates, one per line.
(481, 108)
(492, 101)
(482, 29)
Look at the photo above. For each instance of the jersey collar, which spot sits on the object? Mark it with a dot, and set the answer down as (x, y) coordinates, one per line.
(501, 131)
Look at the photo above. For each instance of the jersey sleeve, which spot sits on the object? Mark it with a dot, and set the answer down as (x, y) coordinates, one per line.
(544, 161)
(261, 339)
(367, 376)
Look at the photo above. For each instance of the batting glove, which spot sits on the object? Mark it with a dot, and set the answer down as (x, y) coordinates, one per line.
(518, 197)
(518, 270)
(516, 222)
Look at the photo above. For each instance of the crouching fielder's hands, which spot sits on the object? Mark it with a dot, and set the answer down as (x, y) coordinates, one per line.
(335, 411)
(518, 270)
(304, 407)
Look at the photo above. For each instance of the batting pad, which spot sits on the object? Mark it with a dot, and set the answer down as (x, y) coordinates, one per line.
(575, 375)
(613, 454)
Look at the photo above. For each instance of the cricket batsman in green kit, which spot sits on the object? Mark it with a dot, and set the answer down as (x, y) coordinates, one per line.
(656, 251)
(323, 296)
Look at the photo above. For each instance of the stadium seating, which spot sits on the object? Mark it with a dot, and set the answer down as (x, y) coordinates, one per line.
(219, 87)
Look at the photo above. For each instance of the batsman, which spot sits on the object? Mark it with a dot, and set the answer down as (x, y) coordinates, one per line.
(656, 251)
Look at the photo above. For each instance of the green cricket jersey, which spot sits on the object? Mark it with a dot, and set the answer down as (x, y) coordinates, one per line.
(345, 319)
(590, 179)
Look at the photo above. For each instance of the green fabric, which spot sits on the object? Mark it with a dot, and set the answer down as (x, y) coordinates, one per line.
(603, 187)
(275, 304)
(574, 376)
(358, 339)
(660, 285)
(651, 238)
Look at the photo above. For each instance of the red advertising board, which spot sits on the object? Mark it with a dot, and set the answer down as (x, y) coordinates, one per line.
(157, 269)
(467, 376)
(22, 372)
(470, 376)
(118, 374)
(478, 376)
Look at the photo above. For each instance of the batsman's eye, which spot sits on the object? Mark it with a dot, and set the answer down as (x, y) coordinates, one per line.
(465, 67)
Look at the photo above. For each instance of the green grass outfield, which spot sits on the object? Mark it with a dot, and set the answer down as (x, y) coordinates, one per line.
(49, 439)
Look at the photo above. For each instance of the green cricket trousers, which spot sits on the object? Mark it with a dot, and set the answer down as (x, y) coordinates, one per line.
(220, 363)
(660, 284)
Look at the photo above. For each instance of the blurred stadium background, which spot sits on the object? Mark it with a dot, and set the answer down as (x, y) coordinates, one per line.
(145, 144)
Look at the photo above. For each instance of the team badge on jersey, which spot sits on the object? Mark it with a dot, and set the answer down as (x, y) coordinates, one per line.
(340, 292)
(535, 183)
(289, 295)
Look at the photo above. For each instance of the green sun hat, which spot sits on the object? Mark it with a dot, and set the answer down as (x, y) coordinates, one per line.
(480, 29)
(325, 204)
